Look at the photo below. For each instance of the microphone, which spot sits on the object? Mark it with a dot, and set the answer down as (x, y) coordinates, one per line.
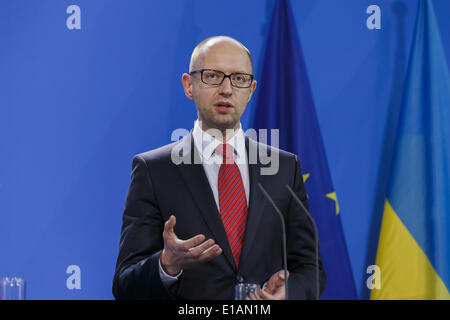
(284, 237)
(316, 237)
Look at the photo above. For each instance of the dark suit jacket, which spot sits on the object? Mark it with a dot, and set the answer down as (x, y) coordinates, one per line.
(160, 188)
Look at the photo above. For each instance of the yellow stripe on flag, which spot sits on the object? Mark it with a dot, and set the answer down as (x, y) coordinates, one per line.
(406, 272)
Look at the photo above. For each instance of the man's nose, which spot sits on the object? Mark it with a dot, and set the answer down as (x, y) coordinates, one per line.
(225, 88)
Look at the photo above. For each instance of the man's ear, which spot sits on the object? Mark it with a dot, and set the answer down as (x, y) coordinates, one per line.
(187, 85)
(252, 89)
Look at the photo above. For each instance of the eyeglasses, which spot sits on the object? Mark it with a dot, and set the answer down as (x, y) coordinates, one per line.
(215, 78)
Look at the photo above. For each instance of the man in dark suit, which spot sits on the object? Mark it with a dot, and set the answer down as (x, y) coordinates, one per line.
(205, 187)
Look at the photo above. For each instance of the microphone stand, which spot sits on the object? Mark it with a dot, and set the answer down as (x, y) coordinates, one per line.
(316, 237)
(284, 237)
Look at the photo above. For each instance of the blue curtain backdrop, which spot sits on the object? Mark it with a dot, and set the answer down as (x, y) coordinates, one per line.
(77, 104)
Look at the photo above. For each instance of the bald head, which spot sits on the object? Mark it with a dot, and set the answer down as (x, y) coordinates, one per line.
(204, 46)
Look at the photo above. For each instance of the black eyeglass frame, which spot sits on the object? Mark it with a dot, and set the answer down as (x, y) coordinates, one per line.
(252, 77)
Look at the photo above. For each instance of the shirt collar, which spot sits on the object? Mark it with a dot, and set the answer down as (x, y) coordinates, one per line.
(207, 144)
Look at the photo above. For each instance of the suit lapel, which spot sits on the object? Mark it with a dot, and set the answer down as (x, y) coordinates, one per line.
(256, 198)
(195, 178)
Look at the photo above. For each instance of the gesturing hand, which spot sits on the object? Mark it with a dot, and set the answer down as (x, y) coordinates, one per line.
(179, 254)
(275, 289)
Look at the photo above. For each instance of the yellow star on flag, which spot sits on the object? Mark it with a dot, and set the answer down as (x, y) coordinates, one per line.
(332, 196)
(305, 177)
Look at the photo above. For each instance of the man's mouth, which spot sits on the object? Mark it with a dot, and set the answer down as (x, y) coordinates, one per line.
(223, 104)
(223, 107)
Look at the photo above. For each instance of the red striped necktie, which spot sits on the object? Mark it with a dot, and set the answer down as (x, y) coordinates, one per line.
(232, 200)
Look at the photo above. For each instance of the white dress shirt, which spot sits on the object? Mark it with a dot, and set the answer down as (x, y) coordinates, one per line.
(206, 147)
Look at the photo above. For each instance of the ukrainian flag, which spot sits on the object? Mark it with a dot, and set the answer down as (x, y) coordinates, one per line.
(414, 245)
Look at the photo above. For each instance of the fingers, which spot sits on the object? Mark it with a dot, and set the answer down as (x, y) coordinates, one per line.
(281, 274)
(210, 253)
(276, 287)
(278, 278)
(198, 249)
(264, 295)
(170, 232)
(205, 251)
(186, 252)
(194, 242)
(169, 226)
(279, 294)
(276, 284)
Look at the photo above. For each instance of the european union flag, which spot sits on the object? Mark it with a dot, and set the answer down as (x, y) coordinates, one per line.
(414, 249)
(285, 103)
